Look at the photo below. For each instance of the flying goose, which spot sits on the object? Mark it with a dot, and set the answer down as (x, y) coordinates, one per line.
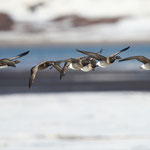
(82, 63)
(144, 60)
(102, 60)
(42, 66)
(11, 62)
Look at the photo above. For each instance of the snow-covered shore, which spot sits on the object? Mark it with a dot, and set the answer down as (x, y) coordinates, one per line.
(81, 121)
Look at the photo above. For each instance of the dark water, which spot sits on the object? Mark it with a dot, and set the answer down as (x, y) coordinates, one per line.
(124, 76)
(58, 52)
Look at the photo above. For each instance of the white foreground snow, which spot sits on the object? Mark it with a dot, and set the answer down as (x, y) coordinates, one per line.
(75, 121)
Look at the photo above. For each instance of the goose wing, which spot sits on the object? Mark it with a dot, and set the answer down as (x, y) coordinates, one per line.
(34, 71)
(56, 65)
(139, 58)
(93, 55)
(100, 52)
(120, 51)
(20, 55)
(64, 69)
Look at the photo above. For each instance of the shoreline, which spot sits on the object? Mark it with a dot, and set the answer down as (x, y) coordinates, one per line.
(48, 43)
(48, 82)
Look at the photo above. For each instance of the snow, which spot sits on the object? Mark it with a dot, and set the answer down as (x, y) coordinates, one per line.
(75, 121)
(54, 8)
(133, 28)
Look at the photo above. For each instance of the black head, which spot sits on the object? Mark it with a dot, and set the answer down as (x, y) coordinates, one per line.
(111, 59)
(117, 57)
(16, 61)
(93, 63)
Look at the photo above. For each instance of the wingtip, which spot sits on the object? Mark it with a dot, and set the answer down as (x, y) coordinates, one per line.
(61, 75)
(30, 82)
(29, 85)
(127, 47)
(26, 52)
(23, 54)
(78, 50)
(120, 60)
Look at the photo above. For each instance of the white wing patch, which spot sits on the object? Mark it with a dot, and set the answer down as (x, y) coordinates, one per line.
(102, 64)
(146, 66)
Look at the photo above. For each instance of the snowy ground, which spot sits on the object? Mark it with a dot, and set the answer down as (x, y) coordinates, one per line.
(133, 28)
(75, 121)
(89, 8)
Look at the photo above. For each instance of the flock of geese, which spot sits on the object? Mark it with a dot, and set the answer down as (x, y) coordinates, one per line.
(85, 63)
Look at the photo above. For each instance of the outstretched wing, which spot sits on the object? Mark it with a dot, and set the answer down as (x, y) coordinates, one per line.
(139, 58)
(64, 69)
(100, 52)
(93, 55)
(120, 51)
(20, 55)
(34, 71)
(56, 65)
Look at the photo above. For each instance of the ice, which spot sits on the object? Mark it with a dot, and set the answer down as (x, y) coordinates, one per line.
(86, 121)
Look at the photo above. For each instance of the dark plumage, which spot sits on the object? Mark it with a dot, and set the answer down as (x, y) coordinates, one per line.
(6, 62)
(82, 63)
(42, 66)
(102, 60)
(144, 60)
(139, 58)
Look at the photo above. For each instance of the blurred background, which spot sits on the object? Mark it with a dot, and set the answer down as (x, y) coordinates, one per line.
(49, 21)
(103, 109)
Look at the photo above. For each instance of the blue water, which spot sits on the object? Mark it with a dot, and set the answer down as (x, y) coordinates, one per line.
(58, 52)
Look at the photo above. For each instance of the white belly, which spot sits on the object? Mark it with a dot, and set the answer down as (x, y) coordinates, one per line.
(71, 67)
(86, 68)
(3, 66)
(146, 66)
(102, 64)
(74, 67)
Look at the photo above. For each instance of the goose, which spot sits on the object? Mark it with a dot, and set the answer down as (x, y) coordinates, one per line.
(11, 62)
(102, 60)
(144, 60)
(42, 66)
(81, 63)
